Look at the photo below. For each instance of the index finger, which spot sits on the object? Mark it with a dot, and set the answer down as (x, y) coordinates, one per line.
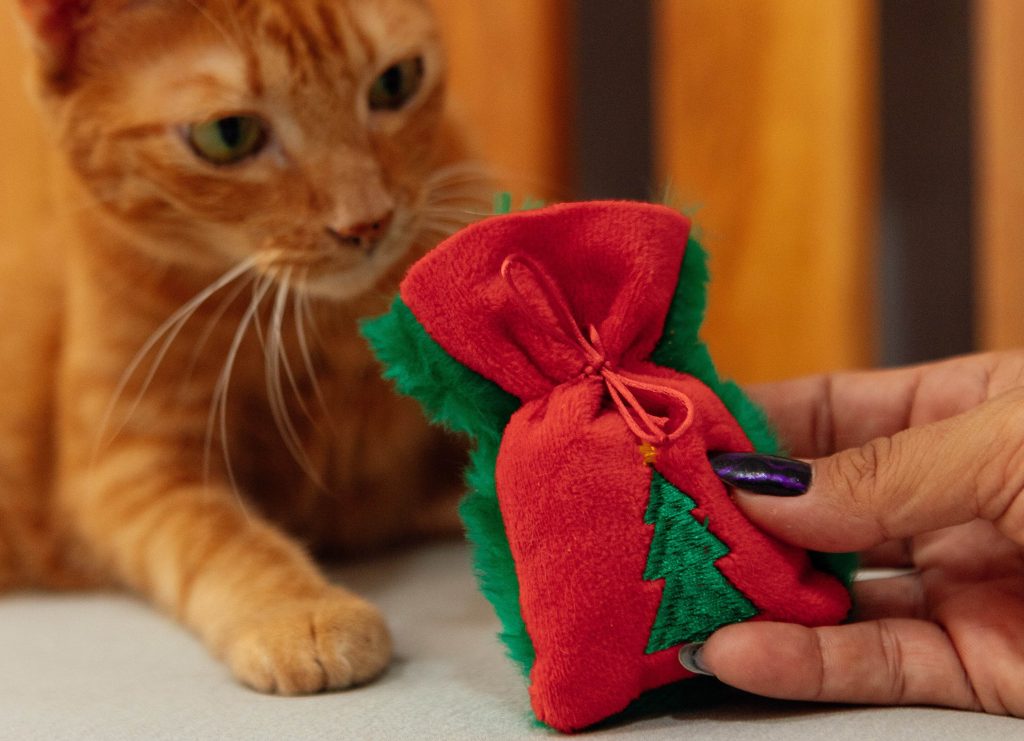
(921, 479)
(819, 415)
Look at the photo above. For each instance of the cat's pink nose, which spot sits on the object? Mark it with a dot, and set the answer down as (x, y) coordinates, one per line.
(364, 235)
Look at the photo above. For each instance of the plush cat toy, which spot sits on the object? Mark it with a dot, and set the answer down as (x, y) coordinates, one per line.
(564, 342)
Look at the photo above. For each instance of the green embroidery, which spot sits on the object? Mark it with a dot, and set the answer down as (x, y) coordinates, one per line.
(697, 599)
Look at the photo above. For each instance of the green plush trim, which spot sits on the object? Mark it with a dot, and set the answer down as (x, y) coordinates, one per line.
(843, 566)
(503, 204)
(451, 394)
(464, 401)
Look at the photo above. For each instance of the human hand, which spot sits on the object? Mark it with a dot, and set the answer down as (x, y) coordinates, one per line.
(931, 476)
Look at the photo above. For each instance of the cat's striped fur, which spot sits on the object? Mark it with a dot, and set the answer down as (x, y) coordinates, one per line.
(188, 407)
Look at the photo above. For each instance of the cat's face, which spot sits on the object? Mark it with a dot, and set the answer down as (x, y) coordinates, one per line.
(295, 133)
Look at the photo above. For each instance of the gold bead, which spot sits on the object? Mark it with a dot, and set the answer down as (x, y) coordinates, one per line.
(649, 453)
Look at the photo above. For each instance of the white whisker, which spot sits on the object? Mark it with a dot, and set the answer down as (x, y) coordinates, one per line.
(275, 357)
(447, 219)
(168, 331)
(212, 323)
(310, 315)
(232, 42)
(453, 197)
(457, 202)
(303, 319)
(460, 172)
(260, 336)
(290, 375)
(219, 402)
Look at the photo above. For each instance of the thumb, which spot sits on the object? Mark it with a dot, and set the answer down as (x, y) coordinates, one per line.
(921, 479)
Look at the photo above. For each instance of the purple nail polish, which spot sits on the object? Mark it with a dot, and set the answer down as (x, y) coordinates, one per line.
(762, 474)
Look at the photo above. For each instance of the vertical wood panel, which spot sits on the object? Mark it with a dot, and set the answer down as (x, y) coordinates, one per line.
(1000, 175)
(510, 83)
(613, 99)
(766, 119)
(25, 156)
(927, 256)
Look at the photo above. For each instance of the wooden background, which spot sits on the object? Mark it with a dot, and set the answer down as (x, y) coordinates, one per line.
(765, 117)
(999, 44)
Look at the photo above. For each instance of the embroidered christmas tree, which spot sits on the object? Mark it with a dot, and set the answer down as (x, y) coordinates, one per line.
(697, 598)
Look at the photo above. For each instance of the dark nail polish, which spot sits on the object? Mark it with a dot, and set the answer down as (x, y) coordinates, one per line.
(689, 657)
(762, 474)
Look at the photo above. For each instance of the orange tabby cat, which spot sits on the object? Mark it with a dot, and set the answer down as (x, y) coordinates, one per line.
(180, 364)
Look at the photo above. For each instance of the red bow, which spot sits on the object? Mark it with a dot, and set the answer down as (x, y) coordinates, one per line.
(647, 426)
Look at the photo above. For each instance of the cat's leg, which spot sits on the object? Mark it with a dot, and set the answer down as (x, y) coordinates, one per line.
(253, 595)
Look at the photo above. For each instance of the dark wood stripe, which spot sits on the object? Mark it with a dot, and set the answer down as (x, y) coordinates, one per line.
(614, 150)
(927, 269)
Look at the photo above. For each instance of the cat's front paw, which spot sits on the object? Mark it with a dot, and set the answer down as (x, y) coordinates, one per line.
(329, 643)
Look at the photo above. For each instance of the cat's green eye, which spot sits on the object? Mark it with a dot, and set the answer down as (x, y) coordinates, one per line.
(397, 85)
(224, 141)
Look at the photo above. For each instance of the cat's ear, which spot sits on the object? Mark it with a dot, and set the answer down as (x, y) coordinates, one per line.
(54, 28)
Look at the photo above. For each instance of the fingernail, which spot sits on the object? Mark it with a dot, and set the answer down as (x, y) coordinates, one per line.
(762, 474)
(689, 657)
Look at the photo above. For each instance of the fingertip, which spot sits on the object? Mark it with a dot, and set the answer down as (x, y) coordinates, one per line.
(760, 657)
(810, 521)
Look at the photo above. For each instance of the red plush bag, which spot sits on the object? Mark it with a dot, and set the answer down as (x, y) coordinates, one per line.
(626, 545)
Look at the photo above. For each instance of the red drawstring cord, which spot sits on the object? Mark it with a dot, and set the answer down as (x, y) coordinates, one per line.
(648, 427)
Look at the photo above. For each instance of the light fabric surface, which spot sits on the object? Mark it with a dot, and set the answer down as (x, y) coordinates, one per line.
(107, 667)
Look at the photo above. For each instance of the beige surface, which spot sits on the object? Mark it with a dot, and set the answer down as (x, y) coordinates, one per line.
(766, 121)
(78, 668)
